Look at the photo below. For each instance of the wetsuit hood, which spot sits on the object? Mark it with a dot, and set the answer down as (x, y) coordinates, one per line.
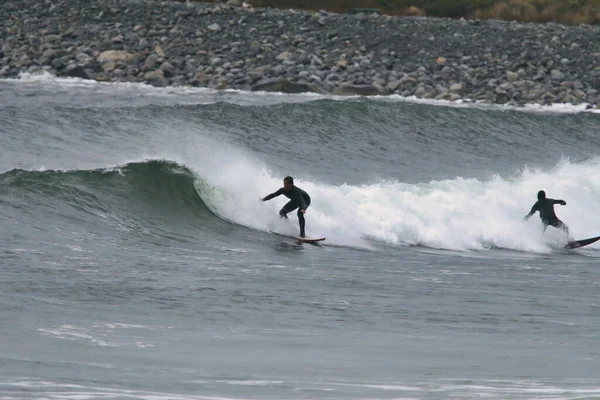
(541, 195)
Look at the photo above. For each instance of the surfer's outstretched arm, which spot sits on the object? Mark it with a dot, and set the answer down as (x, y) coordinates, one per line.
(274, 194)
(561, 202)
(533, 210)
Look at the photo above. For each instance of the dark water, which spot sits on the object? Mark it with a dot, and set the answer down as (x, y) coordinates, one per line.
(138, 262)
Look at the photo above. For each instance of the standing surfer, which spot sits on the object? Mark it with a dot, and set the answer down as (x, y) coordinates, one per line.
(546, 208)
(298, 199)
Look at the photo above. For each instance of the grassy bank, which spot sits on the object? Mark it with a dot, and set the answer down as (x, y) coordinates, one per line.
(563, 11)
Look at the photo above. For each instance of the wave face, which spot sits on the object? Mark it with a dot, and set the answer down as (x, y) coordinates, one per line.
(152, 196)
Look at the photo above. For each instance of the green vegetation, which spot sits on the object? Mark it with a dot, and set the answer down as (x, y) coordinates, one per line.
(562, 11)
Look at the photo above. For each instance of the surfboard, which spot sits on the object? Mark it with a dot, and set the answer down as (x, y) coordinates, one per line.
(310, 240)
(580, 243)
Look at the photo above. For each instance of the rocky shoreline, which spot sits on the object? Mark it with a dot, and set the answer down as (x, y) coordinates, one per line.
(227, 46)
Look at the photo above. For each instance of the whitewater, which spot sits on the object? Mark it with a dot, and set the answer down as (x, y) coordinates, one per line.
(138, 260)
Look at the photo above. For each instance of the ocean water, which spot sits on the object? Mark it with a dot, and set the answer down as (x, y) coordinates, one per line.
(137, 261)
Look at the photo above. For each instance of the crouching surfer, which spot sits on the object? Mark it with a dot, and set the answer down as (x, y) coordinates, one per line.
(298, 199)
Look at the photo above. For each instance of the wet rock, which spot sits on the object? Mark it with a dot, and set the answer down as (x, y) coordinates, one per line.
(76, 71)
(283, 85)
(356, 90)
(113, 55)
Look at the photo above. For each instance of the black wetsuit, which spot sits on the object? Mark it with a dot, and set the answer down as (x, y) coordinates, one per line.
(298, 199)
(547, 215)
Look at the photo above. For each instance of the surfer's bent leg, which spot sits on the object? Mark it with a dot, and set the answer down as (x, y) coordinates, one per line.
(557, 223)
(289, 206)
(561, 225)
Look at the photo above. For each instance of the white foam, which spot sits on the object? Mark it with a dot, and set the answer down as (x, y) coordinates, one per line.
(90, 335)
(200, 95)
(455, 214)
(69, 332)
(175, 94)
(116, 325)
(261, 383)
(556, 108)
(571, 389)
(57, 390)
(380, 386)
(483, 389)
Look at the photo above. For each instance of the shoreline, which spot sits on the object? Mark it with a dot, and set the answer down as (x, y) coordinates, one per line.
(291, 51)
